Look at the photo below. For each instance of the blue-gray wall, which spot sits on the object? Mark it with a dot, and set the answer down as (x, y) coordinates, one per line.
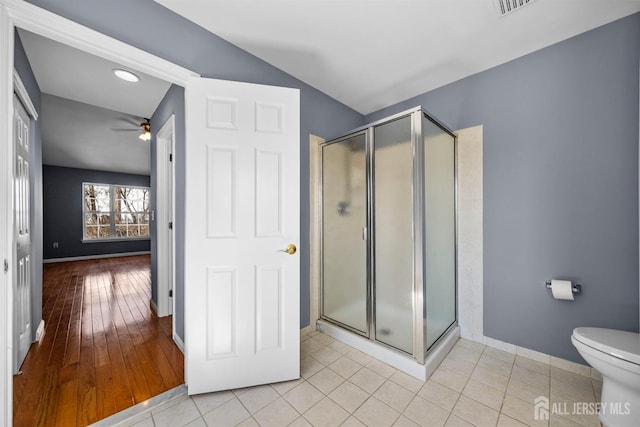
(172, 103)
(63, 219)
(21, 64)
(176, 39)
(560, 183)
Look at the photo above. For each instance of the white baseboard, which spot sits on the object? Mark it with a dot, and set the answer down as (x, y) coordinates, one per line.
(40, 331)
(85, 257)
(307, 329)
(547, 359)
(178, 342)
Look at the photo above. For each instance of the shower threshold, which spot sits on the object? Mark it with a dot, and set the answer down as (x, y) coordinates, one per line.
(398, 360)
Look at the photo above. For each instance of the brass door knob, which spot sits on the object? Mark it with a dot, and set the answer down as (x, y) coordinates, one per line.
(291, 249)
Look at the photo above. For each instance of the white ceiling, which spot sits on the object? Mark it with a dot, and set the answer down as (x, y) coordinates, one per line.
(370, 54)
(88, 103)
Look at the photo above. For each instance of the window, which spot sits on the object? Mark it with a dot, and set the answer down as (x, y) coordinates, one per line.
(115, 212)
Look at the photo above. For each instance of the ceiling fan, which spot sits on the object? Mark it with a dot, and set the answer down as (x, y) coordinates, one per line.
(144, 128)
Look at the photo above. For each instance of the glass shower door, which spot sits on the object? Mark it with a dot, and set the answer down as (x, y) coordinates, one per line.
(344, 245)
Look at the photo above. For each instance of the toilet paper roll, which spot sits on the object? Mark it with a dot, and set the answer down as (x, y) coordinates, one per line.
(561, 289)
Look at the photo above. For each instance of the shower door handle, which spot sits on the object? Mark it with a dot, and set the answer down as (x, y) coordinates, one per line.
(364, 233)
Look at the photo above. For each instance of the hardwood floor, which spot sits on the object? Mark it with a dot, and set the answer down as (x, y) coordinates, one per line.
(103, 349)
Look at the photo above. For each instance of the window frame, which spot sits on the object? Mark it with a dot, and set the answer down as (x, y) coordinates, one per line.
(112, 214)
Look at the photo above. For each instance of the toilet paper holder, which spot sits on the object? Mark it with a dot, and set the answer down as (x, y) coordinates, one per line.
(575, 288)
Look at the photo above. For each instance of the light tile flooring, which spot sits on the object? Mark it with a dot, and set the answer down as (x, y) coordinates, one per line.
(340, 386)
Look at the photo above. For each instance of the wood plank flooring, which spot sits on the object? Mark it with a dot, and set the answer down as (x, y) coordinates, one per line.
(103, 349)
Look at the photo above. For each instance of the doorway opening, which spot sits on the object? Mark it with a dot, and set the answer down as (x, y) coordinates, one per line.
(45, 24)
(101, 337)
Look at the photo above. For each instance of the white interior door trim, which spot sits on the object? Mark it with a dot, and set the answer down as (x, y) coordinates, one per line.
(165, 206)
(6, 218)
(23, 95)
(40, 21)
(17, 13)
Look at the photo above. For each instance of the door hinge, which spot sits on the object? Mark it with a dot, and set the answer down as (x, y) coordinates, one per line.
(170, 225)
(171, 157)
(170, 293)
(6, 266)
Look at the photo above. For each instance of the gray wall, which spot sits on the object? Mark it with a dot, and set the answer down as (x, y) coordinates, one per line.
(63, 222)
(21, 64)
(560, 183)
(172, 103)
(172, 37)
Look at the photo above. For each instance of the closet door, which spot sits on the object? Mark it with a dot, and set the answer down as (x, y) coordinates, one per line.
(344, 244)
(22, 236)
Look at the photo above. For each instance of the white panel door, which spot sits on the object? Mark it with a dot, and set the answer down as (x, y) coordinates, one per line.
(242, 286)
(22, 278)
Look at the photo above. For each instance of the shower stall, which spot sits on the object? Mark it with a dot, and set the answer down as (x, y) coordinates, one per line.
(388, 253)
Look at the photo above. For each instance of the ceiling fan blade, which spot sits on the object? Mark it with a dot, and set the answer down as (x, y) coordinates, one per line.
(125, 130)
(132, 121)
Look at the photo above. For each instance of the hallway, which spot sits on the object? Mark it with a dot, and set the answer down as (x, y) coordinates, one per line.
(103, 349)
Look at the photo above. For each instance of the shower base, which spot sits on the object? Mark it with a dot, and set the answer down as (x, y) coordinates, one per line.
(392, 357)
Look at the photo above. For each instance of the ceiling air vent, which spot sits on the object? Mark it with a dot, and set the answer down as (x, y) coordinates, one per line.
(505, 7)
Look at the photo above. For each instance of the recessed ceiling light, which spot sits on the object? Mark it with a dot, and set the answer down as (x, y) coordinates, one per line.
(126, 75)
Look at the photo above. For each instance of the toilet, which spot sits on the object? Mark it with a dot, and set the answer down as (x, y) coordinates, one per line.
(616, 355)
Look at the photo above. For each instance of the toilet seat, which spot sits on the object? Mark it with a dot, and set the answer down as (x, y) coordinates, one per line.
(621, 344)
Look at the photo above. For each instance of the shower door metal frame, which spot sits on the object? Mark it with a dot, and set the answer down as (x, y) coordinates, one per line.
(417, 189)
(367, 235)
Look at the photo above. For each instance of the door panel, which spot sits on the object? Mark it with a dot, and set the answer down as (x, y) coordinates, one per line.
(222, 312)
(269, 308)
(268, 194)
(242, 210)
(221, 192)
(22, 280)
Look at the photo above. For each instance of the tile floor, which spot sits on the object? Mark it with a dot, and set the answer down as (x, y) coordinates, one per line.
(340, 386)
